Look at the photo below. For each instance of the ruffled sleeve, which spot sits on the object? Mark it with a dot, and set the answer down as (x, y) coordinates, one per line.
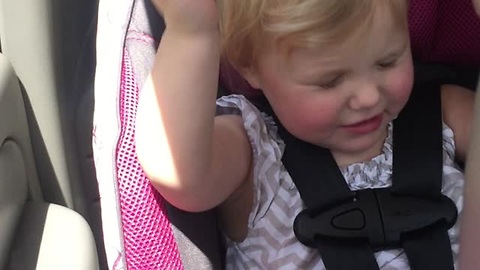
(267, 150)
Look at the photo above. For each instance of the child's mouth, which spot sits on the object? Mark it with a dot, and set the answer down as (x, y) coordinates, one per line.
(366, 126)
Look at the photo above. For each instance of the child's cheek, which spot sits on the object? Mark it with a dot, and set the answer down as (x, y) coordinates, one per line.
(311, 118)
(321, 117)
(402, 84)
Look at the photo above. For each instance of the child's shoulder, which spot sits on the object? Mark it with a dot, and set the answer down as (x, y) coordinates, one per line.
(253, 118)
(448, 141)
(260, 127)
(233, 104)
(457, 108)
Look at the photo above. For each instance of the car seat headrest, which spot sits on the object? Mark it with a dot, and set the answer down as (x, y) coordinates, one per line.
(445, 31)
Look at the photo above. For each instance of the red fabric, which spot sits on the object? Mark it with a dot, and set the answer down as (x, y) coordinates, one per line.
(445, 31)
(149, 242)
(422, 23)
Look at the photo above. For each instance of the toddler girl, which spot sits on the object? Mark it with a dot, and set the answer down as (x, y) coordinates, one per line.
(335, 73)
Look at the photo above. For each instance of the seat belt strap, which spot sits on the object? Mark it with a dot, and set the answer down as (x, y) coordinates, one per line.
(418, 145)
(418, 171)
(305, 161)
(430, 248)
(346, 255)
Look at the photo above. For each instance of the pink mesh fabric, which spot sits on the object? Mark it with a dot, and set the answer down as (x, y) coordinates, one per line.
(148, 238)
(457, 37)
(445, 31)
(422, 19)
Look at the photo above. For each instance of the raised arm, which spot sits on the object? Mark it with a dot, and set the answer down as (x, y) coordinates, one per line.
(194, 160)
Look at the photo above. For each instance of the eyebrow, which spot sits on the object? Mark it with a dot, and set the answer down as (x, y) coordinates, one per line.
(396, 53)
(332, 74)
(325, 77)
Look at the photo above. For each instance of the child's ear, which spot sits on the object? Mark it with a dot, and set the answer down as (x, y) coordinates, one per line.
(251, 76)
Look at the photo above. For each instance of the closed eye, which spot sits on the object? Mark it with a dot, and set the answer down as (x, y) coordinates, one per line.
(387, 64)
(332, 83)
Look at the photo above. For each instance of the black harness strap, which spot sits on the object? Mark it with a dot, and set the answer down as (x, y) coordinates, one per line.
(301, 159)
(418, 172)
(347, 227)
(417, 145)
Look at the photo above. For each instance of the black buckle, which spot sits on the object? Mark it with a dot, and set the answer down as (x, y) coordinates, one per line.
(376, 215)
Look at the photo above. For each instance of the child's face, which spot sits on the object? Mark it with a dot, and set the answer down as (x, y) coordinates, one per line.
(336, 97)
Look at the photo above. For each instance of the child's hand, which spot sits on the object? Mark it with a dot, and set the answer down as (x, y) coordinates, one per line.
(189, 16)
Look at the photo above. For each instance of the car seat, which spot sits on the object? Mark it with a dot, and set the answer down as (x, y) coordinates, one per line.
(141, 230)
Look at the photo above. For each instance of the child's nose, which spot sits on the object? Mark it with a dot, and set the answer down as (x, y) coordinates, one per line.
(365, 96)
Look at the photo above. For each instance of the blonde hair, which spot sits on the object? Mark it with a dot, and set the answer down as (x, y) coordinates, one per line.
(245, 24)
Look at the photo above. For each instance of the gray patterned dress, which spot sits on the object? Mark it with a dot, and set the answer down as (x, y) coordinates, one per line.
(270, 242)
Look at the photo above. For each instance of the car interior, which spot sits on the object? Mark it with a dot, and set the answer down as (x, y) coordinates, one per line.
(48, 182)
(72, 195)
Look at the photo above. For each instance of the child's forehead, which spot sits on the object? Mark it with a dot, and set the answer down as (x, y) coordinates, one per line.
(298, 23)
(370, 47)
(343, 36)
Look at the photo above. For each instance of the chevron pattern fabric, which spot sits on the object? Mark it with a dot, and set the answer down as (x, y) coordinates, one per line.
(271, 243)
